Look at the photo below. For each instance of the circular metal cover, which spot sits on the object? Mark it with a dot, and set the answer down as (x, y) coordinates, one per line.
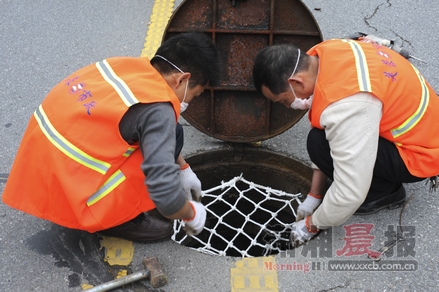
(234, 111)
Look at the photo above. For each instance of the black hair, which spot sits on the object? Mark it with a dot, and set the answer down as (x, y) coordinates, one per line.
(274, 65)
(191, 52)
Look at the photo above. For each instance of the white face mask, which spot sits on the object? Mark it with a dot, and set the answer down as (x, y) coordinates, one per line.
(301, 104)
(183, 105)
(298, 103)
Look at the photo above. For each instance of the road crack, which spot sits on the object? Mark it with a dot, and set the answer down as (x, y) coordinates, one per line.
(337, 287)
(367, 19)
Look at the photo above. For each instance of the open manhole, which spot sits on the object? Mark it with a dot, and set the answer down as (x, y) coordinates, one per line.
(255, 218)
(251, 204)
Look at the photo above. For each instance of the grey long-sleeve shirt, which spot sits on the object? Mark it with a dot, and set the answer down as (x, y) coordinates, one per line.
(153, 126)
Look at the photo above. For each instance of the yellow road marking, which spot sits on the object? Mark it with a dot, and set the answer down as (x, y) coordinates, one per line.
(121, 274)
(161, 12)
(249, 274)
(117, 251)
(86, 286)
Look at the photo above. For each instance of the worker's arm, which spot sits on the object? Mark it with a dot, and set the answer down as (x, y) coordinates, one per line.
(181, 161)
(153, 127)
(352, 130)
(314, 197)
(185, 213)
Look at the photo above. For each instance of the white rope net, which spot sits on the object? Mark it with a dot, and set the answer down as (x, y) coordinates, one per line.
(243, 219)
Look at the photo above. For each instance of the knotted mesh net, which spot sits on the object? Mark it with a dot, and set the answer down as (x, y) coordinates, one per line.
(243, 219)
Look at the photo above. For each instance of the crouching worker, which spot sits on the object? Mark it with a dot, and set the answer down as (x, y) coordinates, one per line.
(104, 146)
(374, 125)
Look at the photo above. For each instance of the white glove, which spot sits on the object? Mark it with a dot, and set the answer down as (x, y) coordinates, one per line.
(308, 206)
(190, 183)
(196, 224)
(300, 234)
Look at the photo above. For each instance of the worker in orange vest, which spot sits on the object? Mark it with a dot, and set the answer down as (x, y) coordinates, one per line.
(102, 151)
(374, 125)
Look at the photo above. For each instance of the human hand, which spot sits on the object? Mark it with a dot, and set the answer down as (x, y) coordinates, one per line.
(195, 225)
(190, 183)
(301, 233)
(308, 206)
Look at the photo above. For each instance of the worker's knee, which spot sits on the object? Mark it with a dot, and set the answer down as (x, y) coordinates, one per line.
(319, 151)
(317, 144)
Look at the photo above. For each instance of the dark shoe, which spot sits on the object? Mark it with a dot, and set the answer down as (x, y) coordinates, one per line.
(144, 228)
(392, 201)
(156, 214)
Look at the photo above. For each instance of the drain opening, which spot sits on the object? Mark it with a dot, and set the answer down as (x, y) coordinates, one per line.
(243, 219)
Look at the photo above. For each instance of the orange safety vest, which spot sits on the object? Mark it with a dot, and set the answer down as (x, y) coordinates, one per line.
(73, 167)
(410, 105)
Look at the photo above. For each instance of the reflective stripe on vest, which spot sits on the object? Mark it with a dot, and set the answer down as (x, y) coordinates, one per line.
(420, 111)
(65, 146)
(116, 179)
(129, 152)
(361, 65)
(80, 156)
(118, 84)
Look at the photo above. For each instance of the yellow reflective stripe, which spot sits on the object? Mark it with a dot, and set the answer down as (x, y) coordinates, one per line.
(118, 84)
(116, 179)
(420, 111)
(129, 152)
(361, 65)
(65, 146)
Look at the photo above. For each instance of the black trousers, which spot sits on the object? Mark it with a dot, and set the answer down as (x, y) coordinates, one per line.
(179, 137)
(388, 174)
